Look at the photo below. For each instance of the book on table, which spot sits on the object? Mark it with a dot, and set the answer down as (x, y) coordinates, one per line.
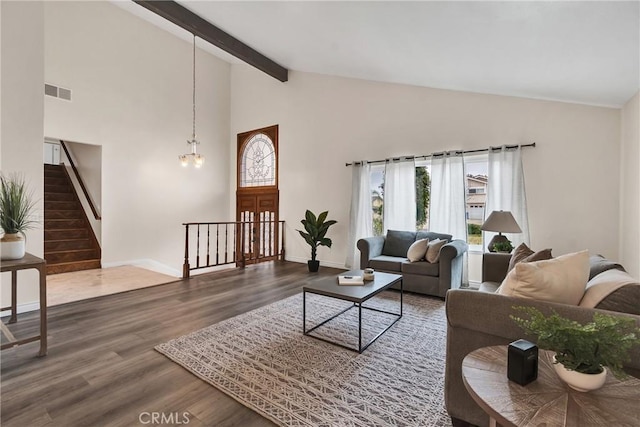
(350, 280)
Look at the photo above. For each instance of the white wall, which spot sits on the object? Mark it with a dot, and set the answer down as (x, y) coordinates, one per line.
(21, 134)
(131, 85)
(326, 121)
(630, 187)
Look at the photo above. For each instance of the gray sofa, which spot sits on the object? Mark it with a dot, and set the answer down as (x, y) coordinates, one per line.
(478, 319)
(389, 253)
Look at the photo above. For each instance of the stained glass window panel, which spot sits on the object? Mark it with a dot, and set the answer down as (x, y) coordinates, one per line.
(258, 162)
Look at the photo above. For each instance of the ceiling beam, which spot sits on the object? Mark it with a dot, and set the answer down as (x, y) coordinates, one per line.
(183, 17)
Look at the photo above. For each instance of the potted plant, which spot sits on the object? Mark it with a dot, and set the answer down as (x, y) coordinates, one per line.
(16, 210)
(583, 351)
(504, 247)
(315, 230)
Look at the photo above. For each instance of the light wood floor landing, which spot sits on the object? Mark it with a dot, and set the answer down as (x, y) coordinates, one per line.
(102, 369)
(79, 285)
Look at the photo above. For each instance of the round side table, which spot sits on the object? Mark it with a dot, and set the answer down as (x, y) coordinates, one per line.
(546, 401)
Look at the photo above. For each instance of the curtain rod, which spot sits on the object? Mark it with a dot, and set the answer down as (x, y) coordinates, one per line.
(480, 150)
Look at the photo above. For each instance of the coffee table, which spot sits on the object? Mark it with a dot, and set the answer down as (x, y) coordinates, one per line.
(546, 401)
(358, 295)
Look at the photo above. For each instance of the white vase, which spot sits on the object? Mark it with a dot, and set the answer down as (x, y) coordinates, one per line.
(12, 246)
(579, 381)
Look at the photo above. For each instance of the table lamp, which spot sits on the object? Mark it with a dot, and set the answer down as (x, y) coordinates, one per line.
(500, 221)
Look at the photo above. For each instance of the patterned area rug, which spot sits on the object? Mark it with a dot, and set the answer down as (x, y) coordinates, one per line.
(263, 360)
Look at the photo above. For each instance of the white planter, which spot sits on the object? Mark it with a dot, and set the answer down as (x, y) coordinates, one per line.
(579, 381)
(12, 246)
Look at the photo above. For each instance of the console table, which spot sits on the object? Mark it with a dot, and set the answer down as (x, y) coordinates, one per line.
(27, 262)
(546, 401)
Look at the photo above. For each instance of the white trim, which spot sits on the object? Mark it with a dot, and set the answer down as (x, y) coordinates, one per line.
(23, 308)
(149, 264)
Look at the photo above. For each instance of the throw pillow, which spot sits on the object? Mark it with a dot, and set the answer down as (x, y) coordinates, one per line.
(523, 254)
(520, 253)
(396, 242)
(433, 250)
(417, 250)
(560, 280)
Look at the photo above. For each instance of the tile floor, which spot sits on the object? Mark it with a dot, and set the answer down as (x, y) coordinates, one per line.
(78, 285)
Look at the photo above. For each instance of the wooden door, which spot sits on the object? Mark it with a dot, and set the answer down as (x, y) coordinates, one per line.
(257, 195)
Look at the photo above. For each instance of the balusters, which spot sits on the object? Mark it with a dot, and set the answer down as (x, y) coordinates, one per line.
(198, 247)
(208, 245)
(217, 244)
(253, 239)
(226, 241)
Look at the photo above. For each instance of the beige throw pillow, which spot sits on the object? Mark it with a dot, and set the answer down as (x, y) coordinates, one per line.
(417, 250)
(433, 250)
(560, 280)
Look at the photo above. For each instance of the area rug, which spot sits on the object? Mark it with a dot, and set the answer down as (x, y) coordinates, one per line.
(262, 359)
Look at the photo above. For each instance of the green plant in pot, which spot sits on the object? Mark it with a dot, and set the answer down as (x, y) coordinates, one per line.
(583, 351)
(316, 228)
(505, 247)
(16, 210)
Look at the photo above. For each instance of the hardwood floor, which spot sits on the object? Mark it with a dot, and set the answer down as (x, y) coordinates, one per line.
(102, 370)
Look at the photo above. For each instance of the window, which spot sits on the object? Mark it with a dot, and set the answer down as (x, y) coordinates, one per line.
(476, 167)
(377, 198)
(258, 167)
(423, 188)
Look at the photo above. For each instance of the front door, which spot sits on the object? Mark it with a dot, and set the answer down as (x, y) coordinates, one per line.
(257, 195)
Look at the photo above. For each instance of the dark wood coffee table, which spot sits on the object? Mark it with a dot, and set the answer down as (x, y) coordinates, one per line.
(546, 401)
(358, 295)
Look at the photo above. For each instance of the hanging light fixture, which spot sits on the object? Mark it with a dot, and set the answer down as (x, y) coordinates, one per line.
(193, 156)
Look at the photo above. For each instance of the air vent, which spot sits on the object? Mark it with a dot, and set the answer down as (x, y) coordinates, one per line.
(57, 92)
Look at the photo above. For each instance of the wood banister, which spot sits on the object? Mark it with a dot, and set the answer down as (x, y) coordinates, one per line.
(96, 215)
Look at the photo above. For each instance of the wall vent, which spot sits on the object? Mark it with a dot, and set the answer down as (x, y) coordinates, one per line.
(57, 92)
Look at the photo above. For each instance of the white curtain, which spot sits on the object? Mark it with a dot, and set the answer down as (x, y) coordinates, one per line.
(506, 191)
(447, 209)
(400, 195)
(361, 216)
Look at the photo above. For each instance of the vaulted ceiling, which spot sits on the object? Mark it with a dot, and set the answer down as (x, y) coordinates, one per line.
(575, 51)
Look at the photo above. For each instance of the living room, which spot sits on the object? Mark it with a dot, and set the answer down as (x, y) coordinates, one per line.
(131, 83)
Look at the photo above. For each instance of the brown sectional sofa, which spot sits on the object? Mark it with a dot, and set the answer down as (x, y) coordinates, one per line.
(478, 319)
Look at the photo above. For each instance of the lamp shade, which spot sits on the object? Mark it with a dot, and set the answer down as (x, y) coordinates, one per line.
(502, 222)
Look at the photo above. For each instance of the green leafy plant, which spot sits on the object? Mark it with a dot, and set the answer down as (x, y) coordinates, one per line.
(605, 341)
(503, 246)
(315, 231)
(474, 229)
(16, 205)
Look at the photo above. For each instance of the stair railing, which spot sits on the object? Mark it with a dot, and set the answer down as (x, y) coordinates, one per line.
(212, 244)
(95, 212)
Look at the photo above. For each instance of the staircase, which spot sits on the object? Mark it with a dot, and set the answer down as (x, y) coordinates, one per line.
(69, 241)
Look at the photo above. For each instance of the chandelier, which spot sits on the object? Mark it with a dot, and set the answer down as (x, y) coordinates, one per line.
(193, 157)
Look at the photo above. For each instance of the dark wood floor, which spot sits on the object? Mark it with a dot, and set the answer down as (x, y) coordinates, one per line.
(102, 369)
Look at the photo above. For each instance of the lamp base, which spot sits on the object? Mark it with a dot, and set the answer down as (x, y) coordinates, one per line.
(498, 238)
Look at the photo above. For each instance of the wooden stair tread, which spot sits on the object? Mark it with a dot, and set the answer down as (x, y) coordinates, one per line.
(68, 238)
(66, 267)
(66, 251)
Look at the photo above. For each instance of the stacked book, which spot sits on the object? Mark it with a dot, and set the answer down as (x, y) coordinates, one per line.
(350, 280)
